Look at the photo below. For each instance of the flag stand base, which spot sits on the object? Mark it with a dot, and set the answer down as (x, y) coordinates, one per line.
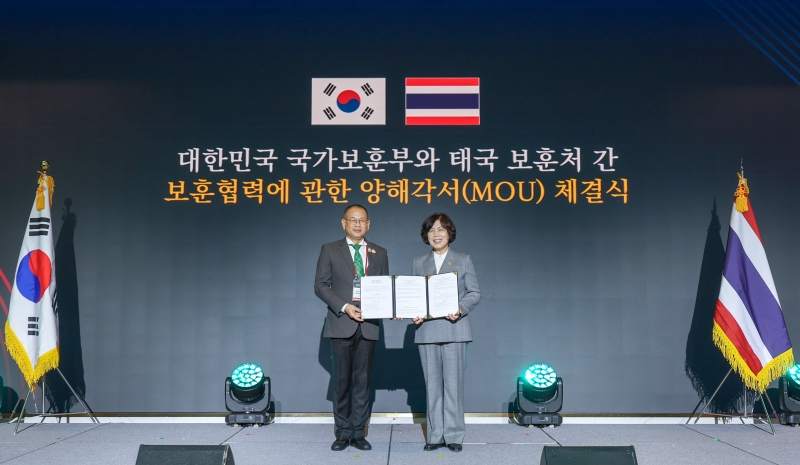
(44, 415)
(740, 417)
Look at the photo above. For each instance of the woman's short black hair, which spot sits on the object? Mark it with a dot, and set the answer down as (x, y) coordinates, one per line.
(446, 223)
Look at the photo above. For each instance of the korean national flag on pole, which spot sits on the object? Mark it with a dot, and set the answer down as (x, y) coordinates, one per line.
(348, 101)
(32, 327)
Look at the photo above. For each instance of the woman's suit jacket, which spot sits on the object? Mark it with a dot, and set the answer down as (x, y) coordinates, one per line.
(443, 330)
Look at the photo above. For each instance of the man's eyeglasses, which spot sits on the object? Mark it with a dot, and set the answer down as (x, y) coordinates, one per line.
(356, 222)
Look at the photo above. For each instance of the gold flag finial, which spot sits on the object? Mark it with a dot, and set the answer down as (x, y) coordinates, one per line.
(51, 186)
(742, 191)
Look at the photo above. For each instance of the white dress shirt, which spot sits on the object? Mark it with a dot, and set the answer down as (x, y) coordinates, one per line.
(438, 260)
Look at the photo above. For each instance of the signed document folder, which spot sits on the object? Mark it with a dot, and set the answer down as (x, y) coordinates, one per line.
(434, 296)
(376, 297)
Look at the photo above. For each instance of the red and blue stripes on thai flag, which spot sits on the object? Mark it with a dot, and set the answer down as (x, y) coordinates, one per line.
(443, 101)
(749, 327)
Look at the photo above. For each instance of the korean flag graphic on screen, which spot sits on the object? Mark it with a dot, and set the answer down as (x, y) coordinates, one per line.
(348, 101)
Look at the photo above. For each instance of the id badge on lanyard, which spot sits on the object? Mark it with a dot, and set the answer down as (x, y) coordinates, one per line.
(356, 289)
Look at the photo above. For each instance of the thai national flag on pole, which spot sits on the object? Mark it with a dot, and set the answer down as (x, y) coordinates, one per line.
(443, 101)
(32, 327)
(748, 322)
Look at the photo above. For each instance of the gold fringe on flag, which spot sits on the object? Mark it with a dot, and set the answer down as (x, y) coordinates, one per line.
(51, 187)
(40, 198)
(740, 196)
(774, 369)
(47, 361)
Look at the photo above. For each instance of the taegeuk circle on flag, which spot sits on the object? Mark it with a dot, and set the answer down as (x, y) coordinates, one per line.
(348, 101)
(33, 275)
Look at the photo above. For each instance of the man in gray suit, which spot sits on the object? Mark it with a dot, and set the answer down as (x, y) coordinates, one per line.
(340, 267)
(443, 342)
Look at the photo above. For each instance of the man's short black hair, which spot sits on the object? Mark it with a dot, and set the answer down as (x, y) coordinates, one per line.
(354, 205)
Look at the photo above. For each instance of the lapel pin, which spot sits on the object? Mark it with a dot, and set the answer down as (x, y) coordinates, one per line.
(371, 250)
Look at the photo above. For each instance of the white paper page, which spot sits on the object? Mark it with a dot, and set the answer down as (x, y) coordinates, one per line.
(442, 294)
(410, 296)
(376, 297)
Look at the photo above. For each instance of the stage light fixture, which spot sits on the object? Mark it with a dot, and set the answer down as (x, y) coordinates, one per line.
(247, 393)
(540, 396)
(789, 392)
(793, 382)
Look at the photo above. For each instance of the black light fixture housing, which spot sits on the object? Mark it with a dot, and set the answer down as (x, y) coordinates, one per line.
(247, 394)
(540, 396)
(789, 392)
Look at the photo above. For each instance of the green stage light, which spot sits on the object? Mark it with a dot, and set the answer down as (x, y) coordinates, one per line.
(247, 396)
(540, 375)
(789, 392)
(247, 382)
(247, 375)
(794, 374)
(793, 379)
(540, 396)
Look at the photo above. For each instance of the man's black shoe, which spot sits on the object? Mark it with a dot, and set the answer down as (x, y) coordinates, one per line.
(432, 446)
(340, 444)
(454, 447)
(361, 444)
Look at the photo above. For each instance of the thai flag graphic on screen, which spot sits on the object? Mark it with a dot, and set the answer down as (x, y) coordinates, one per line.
(443, 101)
(348, 101)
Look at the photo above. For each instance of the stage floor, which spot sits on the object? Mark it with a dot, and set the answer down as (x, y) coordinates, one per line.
(118, 443)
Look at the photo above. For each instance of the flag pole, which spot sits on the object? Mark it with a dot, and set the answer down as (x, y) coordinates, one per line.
(38, 368)
(710, 399)
(741, 417)
(22, 412)
(769, 420)
(14, 410)
(744, 386)
(77, 397)
(741, 226)
(45, 167)
(772, 407)
(45, 415)
(44, 392)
